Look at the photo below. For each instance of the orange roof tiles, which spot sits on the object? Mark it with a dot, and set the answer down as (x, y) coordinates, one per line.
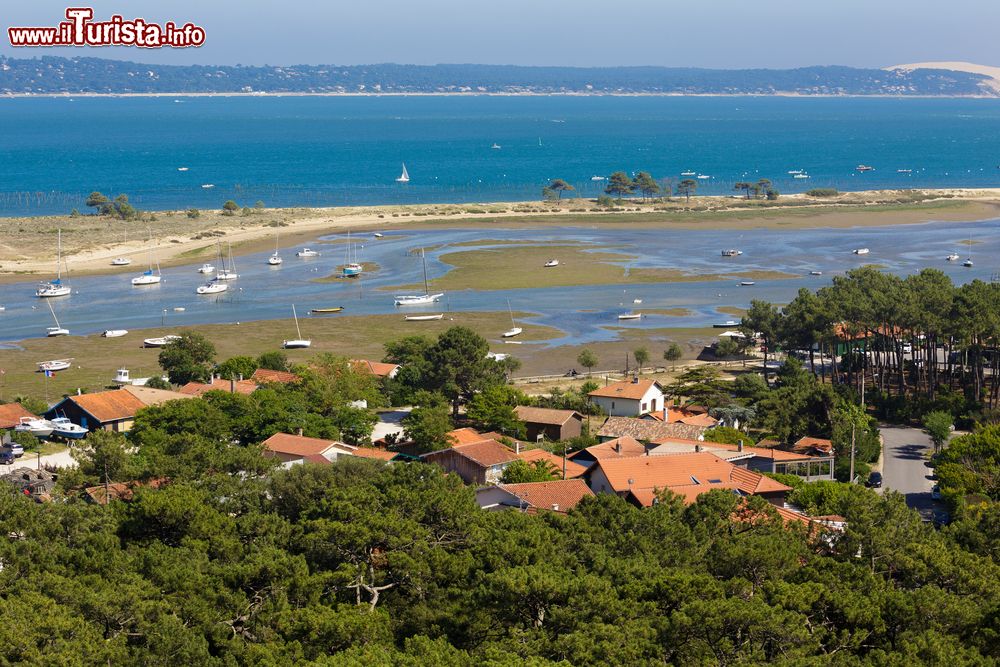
(615, 449)
(379, 368)
(11, 413)
(544, 415)
(297, 445)
(559, 495)
(486, 453)
(108, 406)
(265, 375)
(373, 453)
(573, 469)
(218, 384)
(803, 445)
(689, 475)
(626, 389)
(465, 436)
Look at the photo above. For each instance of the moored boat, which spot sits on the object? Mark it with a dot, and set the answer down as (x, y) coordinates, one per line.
(630, 316)
(861, 251)
(55, 365)
(299, 342)
(40, 428)
(423, 318)
(114, 333)
(159, 341)
(551, 263)
(64, 428)
(324, 311)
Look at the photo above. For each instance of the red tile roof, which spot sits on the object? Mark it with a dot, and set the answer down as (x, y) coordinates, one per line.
(573, 469)
(618, 448)
(379, 368)
(265, 375)
(373, 453)
(486, 453)
(544, 415)
(689, 475)
(559, 496)
(297, 445)
(11, 413)
(219, 384)
(679, 445)
(625, 389)
(109, 406)
(465, 436)
(806, 444)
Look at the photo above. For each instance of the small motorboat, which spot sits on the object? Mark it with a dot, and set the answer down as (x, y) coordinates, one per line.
(864, 167)
(179, 309)
(122, 376)
(747, 283)
(551, 263)
(728, 324)
(64, 428)
(861, 251)
(703, 177)
(688, 173)
(815, 273)
(40, 428)
(325, 311)
(121, 261)
(801, 176)
(55, 365)
(904, 171)
(377, 235)
(795, 172)
(206, 268)
(598, 178)
(953, 257)
(307, 252)
(423, 318)
(211, 287)
(114, 333)
(636, 300)
(630, 316)
(159, 341)
(732, 252)
(496, 146)
(182, 168)
(208, 185)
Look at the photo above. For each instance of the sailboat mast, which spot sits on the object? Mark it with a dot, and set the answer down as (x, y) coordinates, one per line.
(423, 257)
(296, 317)
(58, 255)
(51, 310)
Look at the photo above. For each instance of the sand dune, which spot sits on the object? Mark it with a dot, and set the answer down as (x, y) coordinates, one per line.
(992, 72)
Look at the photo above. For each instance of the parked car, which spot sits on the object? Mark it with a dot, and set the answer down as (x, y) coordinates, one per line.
(936, 493)
(875, 480)
(6, 457)
(14, 448)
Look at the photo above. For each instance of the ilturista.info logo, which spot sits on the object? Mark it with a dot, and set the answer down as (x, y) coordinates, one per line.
(80, 29)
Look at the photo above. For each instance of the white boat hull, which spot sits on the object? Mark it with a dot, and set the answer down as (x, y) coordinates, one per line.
(143, 281)
(862, 251)
(630, 316)
(56, 331)
(121, 261)
(212, 288)
(54, 366)
(49, 291)
(296, 344)
(159, 342)
(274, 260)
(115, 333)
(206, 268)
(40, 428)
(516, 331)
(418, 300)
(423, 318)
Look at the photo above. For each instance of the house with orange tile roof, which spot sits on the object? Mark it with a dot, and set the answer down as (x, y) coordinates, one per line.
(245, 387)
(298, 449)
(479, 463)
(555, 496)
(619, 448)
(675, 414)
(809, 444)
(629, 398)
(11, 415)
(548, 424)
(112, 410)
(377, 368)
(267, 376)
(811, 467)
(639, 479)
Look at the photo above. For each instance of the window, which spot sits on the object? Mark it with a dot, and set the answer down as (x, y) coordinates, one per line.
(643, 407)
(695, 479)
(652, 406)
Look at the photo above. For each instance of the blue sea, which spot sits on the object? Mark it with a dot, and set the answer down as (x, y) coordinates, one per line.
(329, 151)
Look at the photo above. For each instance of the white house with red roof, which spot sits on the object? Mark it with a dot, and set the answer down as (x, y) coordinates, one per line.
(629, 398)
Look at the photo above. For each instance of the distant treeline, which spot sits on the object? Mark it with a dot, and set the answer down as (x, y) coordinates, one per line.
(98, 75)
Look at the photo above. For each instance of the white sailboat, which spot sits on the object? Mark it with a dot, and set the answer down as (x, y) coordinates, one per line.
(148, 277)
(57, 330)
(211, 287)
(122, 260)
(55, 287)
(419, 299)
(404, 177)
(968, 260)
(227, 272)
(514, 330)
(299, 342)
(55, 365)
(275, 259)
(352, 269)
(307, 252)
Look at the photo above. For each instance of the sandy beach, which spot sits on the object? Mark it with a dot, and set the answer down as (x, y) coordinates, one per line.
(90, 242)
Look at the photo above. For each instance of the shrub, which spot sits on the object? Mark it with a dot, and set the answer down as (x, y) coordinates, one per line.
(822, 192)
(193, 213)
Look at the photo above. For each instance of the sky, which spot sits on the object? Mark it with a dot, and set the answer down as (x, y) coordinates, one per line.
(727, 34)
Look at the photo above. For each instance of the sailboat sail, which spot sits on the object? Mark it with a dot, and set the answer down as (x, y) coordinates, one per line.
(405, 176)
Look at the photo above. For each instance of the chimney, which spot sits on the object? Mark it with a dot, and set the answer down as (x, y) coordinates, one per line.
(666, 414)
(618, 446)
(298, 431)
(697, 447)
(517, 447)
(555, 507)
(739, 445)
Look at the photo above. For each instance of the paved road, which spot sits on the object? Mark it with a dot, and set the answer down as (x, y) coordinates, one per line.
(905, 468)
